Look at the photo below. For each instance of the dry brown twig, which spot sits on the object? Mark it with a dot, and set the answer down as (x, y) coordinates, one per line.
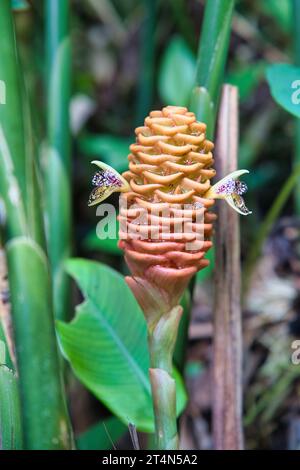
(227, 377)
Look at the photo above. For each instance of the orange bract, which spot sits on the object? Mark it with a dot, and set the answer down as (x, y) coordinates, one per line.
(169, 173)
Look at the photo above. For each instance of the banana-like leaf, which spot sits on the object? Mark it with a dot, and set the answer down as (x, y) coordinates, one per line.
(106, 345)
(101, 436)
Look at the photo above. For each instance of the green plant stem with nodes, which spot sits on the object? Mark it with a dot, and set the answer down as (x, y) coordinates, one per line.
(162, 334)
(147, 57)
(212, 56)
(296, 27)
(58, 161)
(43, 410)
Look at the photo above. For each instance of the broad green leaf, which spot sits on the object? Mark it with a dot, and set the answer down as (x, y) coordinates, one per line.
(284, 82)
(108, 148)
(106, 344)
(246, 78)
(103, 435)
(177, 73)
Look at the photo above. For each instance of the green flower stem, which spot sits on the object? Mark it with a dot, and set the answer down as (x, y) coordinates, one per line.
(57, 172)
(162, 338)
(212, 56)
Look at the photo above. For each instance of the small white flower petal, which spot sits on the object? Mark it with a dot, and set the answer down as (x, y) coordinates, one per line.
(107, 181)
(237, 203)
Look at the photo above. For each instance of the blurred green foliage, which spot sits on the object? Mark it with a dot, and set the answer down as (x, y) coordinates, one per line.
(110, 149)
(106, 344)
(128, 56)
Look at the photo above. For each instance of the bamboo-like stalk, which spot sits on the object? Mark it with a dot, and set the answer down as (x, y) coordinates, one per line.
(211, 60)
(43, 409)
(227, 362)
(58, 165)
(296, 35)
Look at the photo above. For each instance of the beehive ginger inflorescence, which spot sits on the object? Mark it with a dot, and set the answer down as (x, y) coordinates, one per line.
(165, 223)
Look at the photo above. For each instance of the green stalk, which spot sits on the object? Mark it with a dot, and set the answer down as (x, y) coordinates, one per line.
(58, 165)
(296, 28)
(212, 56)
(44, 416)
(162, 338)
(13, 120)
(147, 57)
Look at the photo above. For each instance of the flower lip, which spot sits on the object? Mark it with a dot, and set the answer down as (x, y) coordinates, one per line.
(231, 189)
(106, 182)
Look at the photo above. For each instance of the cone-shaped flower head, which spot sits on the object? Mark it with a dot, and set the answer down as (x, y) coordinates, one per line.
(165, 225)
